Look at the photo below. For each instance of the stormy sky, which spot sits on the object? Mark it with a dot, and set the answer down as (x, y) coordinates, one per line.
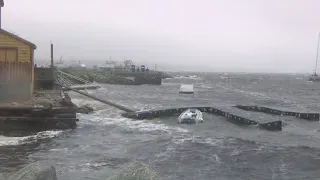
(198, 35)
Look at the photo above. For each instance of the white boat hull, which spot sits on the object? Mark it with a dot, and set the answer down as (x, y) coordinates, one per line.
(186, 89)
(190, 116)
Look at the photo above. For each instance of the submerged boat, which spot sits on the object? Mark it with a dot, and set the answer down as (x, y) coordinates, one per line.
(315, 77)
(190, 116)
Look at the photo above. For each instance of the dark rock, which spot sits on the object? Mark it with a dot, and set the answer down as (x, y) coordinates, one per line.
(89, 109)
(2, 177)
(135, 171)
(84, 109)
(35, 171)
(72, 124)
(61, 125)
(66, 115)
(75, 106)
(45, 102)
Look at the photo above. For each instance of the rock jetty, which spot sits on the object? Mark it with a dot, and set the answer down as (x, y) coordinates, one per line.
(36, 171)
(43, 170)
(135, 171)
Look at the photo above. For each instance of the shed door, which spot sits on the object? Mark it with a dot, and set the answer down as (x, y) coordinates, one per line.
(11, 70)
(15, 75)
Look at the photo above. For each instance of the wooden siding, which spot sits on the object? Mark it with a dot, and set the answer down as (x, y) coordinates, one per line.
(24, 51)
(16, 65)
(32, 73)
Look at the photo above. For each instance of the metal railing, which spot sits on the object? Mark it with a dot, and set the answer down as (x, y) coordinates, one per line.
(67, 80)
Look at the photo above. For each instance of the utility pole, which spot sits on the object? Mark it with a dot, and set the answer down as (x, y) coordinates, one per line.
(1, 5)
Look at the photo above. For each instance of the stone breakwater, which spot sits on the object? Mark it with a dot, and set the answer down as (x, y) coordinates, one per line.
(93, 75)
(103, 76)
(43, 170)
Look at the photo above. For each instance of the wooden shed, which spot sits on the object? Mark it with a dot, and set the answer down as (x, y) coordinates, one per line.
(16, 67)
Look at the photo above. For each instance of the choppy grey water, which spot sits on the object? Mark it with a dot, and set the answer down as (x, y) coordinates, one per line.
(215, 149)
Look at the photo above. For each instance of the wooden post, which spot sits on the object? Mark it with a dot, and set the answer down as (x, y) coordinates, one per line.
(0, 17)
(51, 50)
(2, 125)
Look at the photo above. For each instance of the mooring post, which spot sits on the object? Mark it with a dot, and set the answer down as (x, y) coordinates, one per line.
(51, 51)
(1, 124)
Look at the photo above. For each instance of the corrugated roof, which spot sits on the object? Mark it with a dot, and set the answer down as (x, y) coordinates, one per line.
(18, 38)
(1, 3)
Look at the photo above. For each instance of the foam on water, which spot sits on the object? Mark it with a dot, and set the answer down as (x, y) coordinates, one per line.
(86, 167)
(195, 77)
(255, 94)
(13, 141)
(294, 129)
(178, 141)
(205, 86)
(114, 118)
(263, 96)
(92, 103)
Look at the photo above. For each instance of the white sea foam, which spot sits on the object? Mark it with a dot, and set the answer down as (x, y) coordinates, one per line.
(11, 141)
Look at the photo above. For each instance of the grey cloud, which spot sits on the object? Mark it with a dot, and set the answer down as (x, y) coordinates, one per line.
(205, 35)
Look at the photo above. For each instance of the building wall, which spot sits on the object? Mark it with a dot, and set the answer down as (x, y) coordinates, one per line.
(24, 60)
(32, 71)
(24, 51)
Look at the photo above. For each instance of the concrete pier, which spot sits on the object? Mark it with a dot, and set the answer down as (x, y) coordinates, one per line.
(271, 126)
(306, 116)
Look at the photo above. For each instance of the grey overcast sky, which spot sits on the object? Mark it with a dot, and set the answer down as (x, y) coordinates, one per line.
(199, 35)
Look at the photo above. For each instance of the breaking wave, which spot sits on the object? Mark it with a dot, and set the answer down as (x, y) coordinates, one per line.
(13, 141)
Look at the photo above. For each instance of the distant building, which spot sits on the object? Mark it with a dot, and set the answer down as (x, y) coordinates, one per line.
(16, 66)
